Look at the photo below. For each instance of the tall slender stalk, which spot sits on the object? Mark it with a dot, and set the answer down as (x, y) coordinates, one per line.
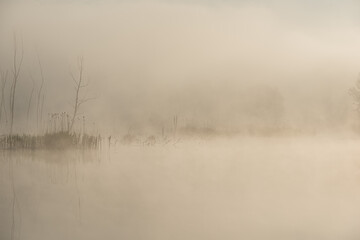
(175, 123)
(39, 103)
(16, 73)
(4, 77)
(30, 100)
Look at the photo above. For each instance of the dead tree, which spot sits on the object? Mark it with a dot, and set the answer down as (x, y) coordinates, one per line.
(30, 99)
(175, 123)
(40, 98)
(4, 77)
(354, 93)
(79, 84)
(16, 73)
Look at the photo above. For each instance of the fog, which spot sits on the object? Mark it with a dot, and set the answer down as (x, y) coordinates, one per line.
(246, 188)
(193, 120)
(218, 64)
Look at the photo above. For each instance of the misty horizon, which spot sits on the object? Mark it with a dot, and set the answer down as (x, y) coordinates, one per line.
(209, 64)
(179, 119)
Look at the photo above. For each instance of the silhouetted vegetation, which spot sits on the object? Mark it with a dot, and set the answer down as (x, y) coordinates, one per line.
(355, 94)
(59, 140)
(59, 133)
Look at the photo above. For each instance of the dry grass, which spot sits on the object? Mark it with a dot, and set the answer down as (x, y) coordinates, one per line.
(58, 140)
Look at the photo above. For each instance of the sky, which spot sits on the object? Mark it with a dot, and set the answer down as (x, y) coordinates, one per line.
(210, 62)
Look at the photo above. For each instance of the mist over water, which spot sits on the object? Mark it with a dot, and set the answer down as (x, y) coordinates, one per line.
(242, 188)
(194, 120)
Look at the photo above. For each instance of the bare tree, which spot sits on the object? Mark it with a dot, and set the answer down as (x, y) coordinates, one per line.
(4, 77)
(175, 123)
(354, 92)
(40, 98)
(30, 99)
(17, 63)
(79, 84)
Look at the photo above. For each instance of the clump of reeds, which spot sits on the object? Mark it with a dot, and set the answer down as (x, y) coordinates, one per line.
(58, 140)
(57, 136)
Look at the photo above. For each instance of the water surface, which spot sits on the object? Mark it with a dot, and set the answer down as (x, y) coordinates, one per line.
(243, 188)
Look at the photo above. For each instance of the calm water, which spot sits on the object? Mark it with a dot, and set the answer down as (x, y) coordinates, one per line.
(306, 188)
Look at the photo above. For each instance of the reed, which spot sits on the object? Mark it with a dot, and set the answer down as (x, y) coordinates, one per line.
(57, 136)
(51, 141)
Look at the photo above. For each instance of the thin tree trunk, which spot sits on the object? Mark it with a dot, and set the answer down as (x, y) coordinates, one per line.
(16, 74)
(78, 100)
(39, 104)
(2, 100)
(77, 91)
(30, 100)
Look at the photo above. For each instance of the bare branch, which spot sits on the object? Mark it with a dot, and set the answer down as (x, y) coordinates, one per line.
(84, 85)
(79, 101)
(86, 100)
(73, 78)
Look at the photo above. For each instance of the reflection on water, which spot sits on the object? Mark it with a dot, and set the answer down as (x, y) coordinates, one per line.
(220, 189)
